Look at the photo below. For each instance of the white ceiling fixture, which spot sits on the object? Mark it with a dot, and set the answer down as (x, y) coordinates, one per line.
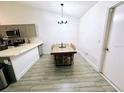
(62, 20)
(72, 8)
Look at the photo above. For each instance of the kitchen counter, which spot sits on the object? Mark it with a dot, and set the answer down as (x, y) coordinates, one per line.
(15, 51)
(21, 58)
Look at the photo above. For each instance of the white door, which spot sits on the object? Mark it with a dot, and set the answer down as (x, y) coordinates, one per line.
(113, 67)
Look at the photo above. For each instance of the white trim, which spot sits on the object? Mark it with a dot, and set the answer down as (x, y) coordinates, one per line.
(117, 4)
(109, 16)
(105, 43)
(106, 38)
(88, 60)
(111, 83)
(95, 67)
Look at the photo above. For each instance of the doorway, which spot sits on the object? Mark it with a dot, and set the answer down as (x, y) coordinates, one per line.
(113, 65)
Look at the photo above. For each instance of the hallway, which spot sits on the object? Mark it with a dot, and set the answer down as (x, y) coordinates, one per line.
(45, 76)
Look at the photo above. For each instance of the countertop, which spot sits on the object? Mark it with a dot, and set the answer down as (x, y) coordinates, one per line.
(15, 51)
(67, 49)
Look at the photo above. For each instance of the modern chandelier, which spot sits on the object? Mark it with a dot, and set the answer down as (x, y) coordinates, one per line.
(62, 20)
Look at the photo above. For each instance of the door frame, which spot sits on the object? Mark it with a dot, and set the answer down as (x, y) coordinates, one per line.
(106, 36)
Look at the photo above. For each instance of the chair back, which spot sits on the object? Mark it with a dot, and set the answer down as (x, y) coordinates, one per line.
(73, 46)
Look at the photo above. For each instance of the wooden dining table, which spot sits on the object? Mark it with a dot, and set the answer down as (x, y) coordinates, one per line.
(63, 55)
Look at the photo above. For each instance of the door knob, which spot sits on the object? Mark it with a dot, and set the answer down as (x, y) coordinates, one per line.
(106, 49)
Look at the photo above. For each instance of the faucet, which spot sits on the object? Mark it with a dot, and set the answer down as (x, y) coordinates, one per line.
(61, 44)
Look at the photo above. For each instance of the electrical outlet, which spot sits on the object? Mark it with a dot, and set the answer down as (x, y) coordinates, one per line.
(86, 53)
(98, 41)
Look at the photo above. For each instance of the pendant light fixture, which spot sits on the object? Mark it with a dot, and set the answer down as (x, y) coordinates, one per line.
(62, 20)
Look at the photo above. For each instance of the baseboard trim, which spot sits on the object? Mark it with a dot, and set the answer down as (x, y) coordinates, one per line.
(95, 67)
(118, 90)
(89, 61)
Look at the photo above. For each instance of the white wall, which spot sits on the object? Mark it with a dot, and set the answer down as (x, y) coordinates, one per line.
(91, 33)
(46, 23)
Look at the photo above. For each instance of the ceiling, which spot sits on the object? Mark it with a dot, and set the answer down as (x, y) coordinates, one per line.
(71, 8)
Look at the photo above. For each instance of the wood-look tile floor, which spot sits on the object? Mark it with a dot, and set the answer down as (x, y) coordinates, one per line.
(45, 76)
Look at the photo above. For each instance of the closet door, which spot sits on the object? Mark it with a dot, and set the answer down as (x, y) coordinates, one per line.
(113, 67)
